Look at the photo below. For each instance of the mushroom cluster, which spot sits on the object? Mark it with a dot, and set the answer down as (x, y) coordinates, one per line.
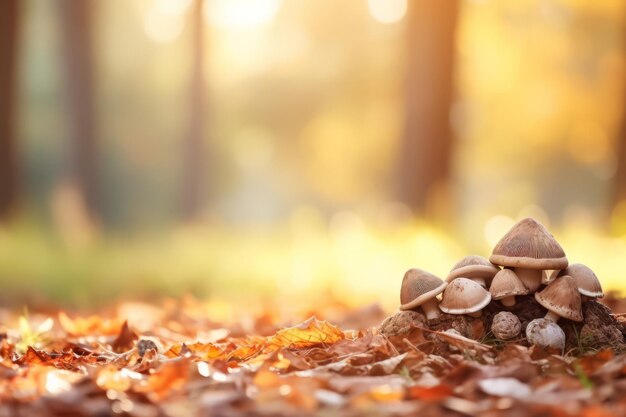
(526, 261)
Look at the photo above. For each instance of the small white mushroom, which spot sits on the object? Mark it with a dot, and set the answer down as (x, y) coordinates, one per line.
(545, 333)
(505, 325)
(464, 296)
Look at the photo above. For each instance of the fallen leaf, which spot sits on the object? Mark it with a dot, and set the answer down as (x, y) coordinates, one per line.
(505, 387)
(432, 394)
(125, 339)
(309, 333)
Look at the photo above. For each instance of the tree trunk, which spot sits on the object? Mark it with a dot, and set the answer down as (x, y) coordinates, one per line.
(9, 28)
(193, 146)
(425, 153)
(77, 36)
(619, 182)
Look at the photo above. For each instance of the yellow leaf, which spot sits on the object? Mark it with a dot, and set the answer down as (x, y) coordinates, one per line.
(308, 333)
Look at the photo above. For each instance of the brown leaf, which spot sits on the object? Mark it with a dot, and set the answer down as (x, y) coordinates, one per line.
(461, 342)
(125, 339)
(591, 363)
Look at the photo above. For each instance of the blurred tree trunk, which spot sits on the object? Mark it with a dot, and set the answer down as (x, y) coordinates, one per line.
(193, 145)
(9, 28)
(619, 182)
(77, 38)
(425, 153)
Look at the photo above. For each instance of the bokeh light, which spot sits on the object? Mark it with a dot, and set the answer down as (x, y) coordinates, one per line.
(161, 25)
(387, 11)
(241, 14)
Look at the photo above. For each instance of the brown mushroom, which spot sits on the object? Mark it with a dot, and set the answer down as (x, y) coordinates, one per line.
(474, 267)
(505, 286)
(420, 289)
(586, 281)
(529, 248)
(464, 296)
(561, 299)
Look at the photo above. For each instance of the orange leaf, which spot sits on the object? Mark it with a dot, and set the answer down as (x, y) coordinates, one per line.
(112, 378)
(93, 325)
(430, 394)
(170, 377)
(203, 351)
(308, 333)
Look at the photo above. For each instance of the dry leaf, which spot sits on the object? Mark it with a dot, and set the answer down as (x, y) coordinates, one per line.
(309, 333)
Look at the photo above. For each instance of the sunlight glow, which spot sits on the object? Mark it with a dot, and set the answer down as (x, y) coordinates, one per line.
(161, 25)
(241, 14)
(496, 227)
(172, 7)
(387, 11)
(58, 381)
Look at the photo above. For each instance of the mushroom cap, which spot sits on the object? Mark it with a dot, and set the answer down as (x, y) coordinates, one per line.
(505, 284)
(419, 286)
(464, 296)
(562, 298)
(473, 266)
(505, 325)
(585, 279)
(529, 245)
(546, 333)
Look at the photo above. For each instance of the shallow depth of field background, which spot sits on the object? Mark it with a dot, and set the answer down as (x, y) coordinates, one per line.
(246, 151)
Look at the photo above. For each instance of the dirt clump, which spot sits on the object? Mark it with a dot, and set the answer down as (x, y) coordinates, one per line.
(599, 329)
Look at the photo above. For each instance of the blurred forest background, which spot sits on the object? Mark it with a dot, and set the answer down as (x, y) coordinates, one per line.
(252, 150)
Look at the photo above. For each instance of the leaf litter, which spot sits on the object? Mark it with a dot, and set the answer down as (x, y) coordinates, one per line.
(186, 365)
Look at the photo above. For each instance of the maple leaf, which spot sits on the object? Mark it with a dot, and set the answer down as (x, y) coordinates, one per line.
(310, 332)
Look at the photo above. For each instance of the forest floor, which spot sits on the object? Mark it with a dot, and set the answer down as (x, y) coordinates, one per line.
(173, 360)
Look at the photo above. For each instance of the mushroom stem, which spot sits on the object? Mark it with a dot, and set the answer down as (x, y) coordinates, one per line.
(551, 315)
(431, 309)
(475, 313)
(530, 277)
(508, 301)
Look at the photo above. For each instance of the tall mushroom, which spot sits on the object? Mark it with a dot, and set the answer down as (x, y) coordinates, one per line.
(420, 288)
(464, 296)
(529, 248)
(586, 281)
(474, 267)
(561, 299)
(505, 286)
